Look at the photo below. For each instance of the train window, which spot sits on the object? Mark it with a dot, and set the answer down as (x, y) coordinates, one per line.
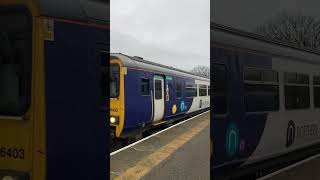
(297, 97)
(296, 78)
(303, 78)
(316, 91)
(290, 77)
(191, 90)
(202, 90)
(270, 76)
(251, 74)
(208, 90)
(15, 62)
(114, 80)
(261, 94)
(178, 89)
(145, 86)
(219, 88)
(297, 91)
(260, 75)
(158, 89)
(260, 97)
(316, 80)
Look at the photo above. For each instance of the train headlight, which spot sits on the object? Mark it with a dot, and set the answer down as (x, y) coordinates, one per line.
(8, 178)
(6, 175)
(13, 178)
(114, 120)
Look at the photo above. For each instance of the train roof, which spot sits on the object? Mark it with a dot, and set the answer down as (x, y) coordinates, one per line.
(82, 10)
(138, 62)
(227, 36)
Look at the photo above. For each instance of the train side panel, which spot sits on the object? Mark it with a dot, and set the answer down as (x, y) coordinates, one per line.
(176, 106)
(242, 136)
(75, 122)
(295, 129)
(222, 101)
(138, 108)
(200, 102)
(235, 136)
(253, 125)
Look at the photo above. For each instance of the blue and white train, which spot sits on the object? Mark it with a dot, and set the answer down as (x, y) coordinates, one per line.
(144, 94)
(266, 100)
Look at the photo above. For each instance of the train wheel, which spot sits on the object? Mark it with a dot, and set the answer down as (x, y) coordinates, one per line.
(138, 137)
(131, 140)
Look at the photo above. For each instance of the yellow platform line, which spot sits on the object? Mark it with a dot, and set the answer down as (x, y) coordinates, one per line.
(144, 166)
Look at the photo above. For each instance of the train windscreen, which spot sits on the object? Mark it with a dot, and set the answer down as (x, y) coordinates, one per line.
(15, 62)
(114, 80)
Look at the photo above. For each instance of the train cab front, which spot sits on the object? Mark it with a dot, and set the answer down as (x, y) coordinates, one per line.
(16, 108)
(116, 97)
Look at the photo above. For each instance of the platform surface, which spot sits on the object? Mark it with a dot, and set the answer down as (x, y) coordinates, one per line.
(182, 152)
(306, 169)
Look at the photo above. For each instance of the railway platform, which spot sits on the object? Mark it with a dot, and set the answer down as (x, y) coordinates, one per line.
(181, 152)
(305, 169)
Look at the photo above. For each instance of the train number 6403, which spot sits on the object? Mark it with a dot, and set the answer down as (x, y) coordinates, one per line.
(14, 153)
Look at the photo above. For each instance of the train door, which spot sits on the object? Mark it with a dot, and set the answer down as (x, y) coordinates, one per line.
(158, 98)
(222, 135)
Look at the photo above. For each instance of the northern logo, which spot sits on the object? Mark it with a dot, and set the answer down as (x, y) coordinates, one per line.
(182, 106)
(291, 133)
(232, 139)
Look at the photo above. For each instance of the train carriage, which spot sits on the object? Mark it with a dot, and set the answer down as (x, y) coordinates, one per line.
(144, 94)
(266, 101)
(53, 93)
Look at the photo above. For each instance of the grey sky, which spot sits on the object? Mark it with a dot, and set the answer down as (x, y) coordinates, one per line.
(174, 33)
(248, 14)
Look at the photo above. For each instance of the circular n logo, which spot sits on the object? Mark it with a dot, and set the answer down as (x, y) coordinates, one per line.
(291, 133)
(232, 140)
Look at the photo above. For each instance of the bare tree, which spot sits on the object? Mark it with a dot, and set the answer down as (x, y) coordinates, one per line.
(203, 71)
(297, 29)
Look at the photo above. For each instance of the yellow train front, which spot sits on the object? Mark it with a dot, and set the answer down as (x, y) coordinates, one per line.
(53, 93)
(144, 94)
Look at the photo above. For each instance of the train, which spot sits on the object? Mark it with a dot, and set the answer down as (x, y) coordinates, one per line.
(54, 59)
(266, 101)
(144, 94)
